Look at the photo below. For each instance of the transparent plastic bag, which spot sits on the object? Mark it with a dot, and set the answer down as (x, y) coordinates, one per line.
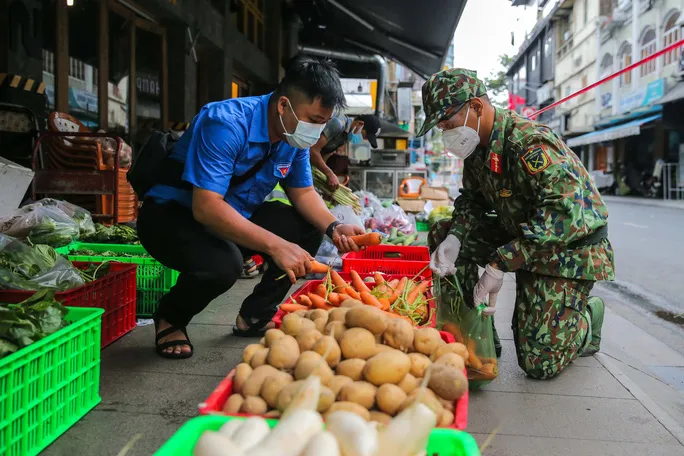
(469, 326)
(79, 215)
(41, 224)
(23, 267)
(391, 217)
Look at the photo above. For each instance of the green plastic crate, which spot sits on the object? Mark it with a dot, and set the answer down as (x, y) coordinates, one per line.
(443, 442)
(46, 387)
(422, 225)
(153, 279)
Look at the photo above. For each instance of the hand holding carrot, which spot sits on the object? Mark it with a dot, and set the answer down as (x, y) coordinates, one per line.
(343, 237)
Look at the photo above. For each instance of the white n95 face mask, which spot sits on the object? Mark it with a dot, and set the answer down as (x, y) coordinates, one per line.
(462, 141)
(305, 135)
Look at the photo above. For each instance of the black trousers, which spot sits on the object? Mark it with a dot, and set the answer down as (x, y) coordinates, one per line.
(210, 266)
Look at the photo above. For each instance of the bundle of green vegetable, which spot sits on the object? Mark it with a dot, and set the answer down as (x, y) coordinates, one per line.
(343, 195)
(107, 253)
(29, 321)
(398, 238)
(116, 234)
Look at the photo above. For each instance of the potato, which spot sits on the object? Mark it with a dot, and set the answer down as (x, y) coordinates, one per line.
(254, 405)
(272, 414)
(389, 398)
(338, 381)
(350, 303)
(272, 387)
(380, 417)
(335, 329)
(378, 338)
(233, 404)
(337, 314)
(358, 343)
(283, 353)
(272, 335)
(262, 341)
(327, 344)
(451, 359)
(352, 368)
(249, 352)
(448, 382)
(363, 393)
(256, 379)
(302, 313)
(419, 363)
(293, 324)
(454, 347)
(447, 418)
(448, 405)
(427, 340)
(325, 400)
(352, 407)
(242, 372)
(315, 314)
(320, 323)
(259, 358)
(399, 334)
(308, 338)
(409, 383)
(387, 367)
(287, 394)
(379, 348)
(311, 363)
(428, 397)
(374, 320)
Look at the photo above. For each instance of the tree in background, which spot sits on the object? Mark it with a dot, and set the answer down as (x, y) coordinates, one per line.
(497, 84)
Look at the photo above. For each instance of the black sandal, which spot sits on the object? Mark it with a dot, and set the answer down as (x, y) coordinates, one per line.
(249, 269)
(254, 328)
(160, 347)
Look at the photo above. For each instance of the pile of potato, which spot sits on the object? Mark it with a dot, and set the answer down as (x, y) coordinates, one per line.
(368, 363)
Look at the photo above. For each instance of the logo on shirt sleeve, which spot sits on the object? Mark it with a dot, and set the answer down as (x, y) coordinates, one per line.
(282, 169)
(536, 160)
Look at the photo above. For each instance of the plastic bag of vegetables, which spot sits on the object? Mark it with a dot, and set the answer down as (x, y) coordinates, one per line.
(30, 268)
(41, 224)
(79, 215)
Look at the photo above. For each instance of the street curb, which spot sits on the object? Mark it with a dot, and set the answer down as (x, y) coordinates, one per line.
(664, 204)
(644, 399)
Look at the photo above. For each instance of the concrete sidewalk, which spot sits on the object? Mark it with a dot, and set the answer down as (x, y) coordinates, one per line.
(586, 411)
(637, 201)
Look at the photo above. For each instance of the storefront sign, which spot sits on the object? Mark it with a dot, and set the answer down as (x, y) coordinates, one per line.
(148, 84)
(545, 92)
(643, 96)
(607, 100)
(527, 111)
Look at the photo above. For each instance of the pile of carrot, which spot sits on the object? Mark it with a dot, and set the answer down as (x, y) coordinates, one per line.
(404, 298)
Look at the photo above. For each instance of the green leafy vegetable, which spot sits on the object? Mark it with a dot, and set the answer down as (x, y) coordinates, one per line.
(116, 234)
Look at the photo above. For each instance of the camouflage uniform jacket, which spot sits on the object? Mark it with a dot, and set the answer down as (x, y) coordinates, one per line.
(544, 199)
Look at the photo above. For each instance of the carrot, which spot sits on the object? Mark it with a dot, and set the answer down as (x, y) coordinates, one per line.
(398, 290)
(319, 268)
(379, 279)
(371, 300)
(320, 290)
(351, 292)
(337, 281)
(417, 291)
(393, 283)
(359, 284)
(305, 301)
(385, 303)
(367, 240)
(290, 307)
(473, 359)
(334, 299)
(396, 315)
(318, 302)
(343, 297)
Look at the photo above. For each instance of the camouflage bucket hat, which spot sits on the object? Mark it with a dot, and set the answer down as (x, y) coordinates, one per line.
(446, 92)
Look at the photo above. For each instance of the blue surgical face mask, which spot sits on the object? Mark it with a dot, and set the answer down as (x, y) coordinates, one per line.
(355, 138)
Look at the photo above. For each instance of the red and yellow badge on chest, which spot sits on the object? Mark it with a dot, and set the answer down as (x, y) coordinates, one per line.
(495, 162)
(536, 160)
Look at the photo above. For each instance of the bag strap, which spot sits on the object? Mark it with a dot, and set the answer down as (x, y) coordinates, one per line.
(237, 180)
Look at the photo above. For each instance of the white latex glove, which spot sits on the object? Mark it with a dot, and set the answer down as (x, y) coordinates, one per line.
(488, 287)
(443, 259)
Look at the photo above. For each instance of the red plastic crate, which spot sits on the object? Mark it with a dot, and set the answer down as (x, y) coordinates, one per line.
(312, 284)
(217, 399)
(115, 293)
(390, 259)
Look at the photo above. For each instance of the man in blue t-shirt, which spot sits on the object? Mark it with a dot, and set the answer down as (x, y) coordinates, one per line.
(205, 227)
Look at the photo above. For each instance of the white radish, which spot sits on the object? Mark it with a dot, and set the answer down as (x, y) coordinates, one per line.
(212, 443)
(306, 398)
(322, 444)
(291, 435)
(354, 434)
(408, 432)
(231, 428)
(252, 431)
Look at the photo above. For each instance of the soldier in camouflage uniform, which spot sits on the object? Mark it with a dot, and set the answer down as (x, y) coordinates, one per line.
(527, 206)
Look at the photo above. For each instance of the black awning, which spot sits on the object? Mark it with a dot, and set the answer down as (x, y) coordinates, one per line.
(391, 130)
(416, 34)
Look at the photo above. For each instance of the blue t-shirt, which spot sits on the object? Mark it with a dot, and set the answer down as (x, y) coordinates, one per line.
(227, 138)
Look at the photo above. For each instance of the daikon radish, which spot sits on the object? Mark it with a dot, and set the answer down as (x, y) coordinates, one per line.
(252, 431)
(354, 434)
(307, 397)
(231, 428)
(408, 432)
(213, 443)
(290, 436)
(322, 444)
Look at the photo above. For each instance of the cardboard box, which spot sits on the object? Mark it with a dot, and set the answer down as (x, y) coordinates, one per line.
(440, 203)
(411, 205)
(434, 193)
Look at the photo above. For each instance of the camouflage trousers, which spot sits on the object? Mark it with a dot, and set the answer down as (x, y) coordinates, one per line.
(551, 323)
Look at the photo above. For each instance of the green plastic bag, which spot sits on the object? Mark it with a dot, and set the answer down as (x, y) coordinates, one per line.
(470, 327)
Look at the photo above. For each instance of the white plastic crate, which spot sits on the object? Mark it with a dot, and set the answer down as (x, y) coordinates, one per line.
(14, 181)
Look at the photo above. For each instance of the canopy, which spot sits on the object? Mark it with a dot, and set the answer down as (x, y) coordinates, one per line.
(677, 93)
(632, 128)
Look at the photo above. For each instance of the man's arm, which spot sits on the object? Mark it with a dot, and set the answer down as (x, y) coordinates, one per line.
(469, 207)
(317, 160)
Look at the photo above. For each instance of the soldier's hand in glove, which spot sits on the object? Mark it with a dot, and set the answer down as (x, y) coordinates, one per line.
(443, 259)
(488, 287)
